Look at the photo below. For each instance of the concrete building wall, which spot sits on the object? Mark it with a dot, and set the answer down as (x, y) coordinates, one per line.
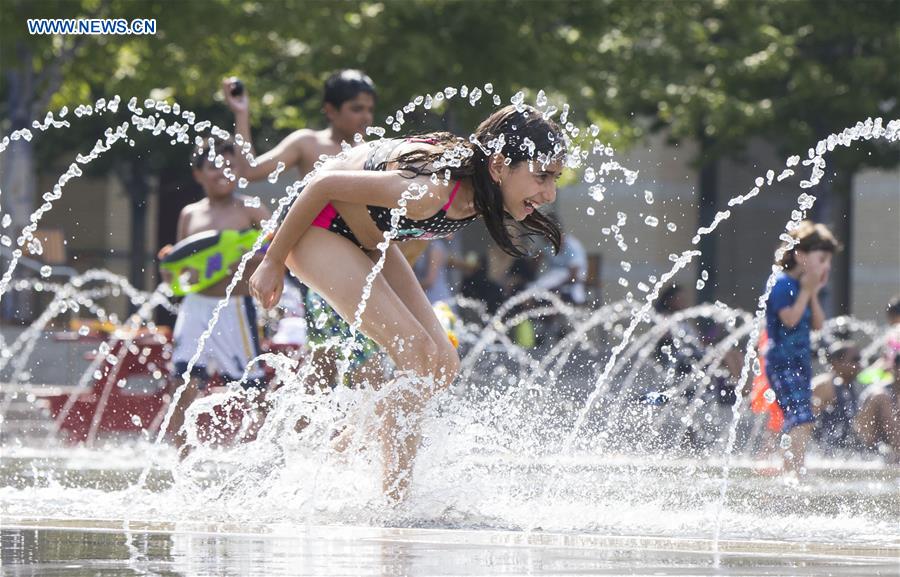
(665, 171)
(875, 246)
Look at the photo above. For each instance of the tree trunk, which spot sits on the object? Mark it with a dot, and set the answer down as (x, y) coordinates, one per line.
(17, 174)
(135, 183)
(707, 201)
(834, 209)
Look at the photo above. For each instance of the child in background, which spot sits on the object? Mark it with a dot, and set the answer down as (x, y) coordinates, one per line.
(235, 339)
(792, 311)
(348, 104)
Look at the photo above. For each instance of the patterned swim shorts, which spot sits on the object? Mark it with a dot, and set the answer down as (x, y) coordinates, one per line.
(324, 323)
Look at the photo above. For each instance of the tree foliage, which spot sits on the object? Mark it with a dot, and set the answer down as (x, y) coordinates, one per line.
(787, 70)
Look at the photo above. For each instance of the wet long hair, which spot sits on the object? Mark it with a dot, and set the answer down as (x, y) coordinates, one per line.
(520, 134)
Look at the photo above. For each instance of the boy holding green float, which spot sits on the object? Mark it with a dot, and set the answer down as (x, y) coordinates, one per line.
(235, 338)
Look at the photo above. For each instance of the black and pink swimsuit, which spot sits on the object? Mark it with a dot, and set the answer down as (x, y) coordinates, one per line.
(436, 226)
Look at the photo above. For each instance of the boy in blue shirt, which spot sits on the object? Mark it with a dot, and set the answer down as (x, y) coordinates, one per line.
(792, 311)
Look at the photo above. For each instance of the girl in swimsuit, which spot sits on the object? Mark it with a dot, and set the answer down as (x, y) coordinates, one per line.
(330, 236)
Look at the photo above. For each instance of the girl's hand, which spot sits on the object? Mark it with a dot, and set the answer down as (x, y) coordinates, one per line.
(823, 280)
(267, 283)
(238, 104)
(809, 281)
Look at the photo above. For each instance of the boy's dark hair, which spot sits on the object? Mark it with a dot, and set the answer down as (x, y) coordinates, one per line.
(666, 298)
(345, 85)
(893, 307)
(201, 152)
(838, 350)
(810, 236)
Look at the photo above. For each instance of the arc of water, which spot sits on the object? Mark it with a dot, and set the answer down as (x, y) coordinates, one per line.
(20, 350)
(28, 232)
(644, 350)
(866, 130)
(138, 319)
(714, 357)
(157, 130)
(849, 135)
(495, 326)
(157, 298)
(711, 362)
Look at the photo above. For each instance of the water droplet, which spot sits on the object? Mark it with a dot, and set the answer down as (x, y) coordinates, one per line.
(590, 211)
(7, 220)
(136, 421)
(623, 282)
(672, 226)
(252, 202)
(651, 220)
(273, 176)
(46, 271)
(243, 182)
(785, 442)
(84, 330)
(648, 197)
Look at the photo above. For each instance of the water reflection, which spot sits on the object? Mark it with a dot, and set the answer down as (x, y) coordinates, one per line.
(63, 549)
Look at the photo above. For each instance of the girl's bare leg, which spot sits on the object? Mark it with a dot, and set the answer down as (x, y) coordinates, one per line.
(399, 318)
(795, 460)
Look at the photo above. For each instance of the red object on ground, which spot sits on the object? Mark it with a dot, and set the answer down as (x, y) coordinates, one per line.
(758, 402)
(143, 362)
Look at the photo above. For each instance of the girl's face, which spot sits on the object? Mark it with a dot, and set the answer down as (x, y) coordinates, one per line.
(817, 262)
(525, 185)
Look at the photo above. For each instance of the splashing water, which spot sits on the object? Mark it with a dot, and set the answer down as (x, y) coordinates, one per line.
(518, 411)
